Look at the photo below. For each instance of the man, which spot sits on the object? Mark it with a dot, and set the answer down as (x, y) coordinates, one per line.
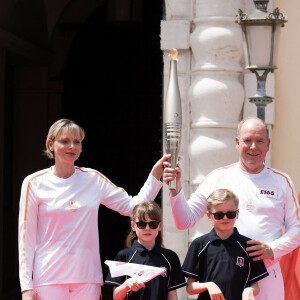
(267, 203)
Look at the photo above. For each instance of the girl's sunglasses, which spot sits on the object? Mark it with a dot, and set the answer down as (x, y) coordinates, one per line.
(143, 225)
(219, 215)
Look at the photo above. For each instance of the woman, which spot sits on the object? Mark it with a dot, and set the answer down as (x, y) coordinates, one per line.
(58, 220)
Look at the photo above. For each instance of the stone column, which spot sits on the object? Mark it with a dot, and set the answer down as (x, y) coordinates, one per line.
(210, 79)
(216, 93)
(175, 32)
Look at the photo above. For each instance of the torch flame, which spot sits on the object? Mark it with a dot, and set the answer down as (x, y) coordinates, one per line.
(174, 54)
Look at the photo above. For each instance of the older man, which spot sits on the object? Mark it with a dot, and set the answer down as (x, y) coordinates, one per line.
(267, 203)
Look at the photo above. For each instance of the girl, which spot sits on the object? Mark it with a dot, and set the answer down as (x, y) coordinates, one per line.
(58, 220)
(146, 247)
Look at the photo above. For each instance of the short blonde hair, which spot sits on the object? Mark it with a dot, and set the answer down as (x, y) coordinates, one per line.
(60, 126)
(220, 196)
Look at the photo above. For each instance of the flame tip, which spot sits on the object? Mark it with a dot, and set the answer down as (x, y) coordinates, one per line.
(174, 54)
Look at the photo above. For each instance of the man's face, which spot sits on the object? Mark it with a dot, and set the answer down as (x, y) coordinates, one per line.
(252, 146)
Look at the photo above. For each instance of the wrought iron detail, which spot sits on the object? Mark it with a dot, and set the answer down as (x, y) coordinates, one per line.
(277, 16)
(241, 16)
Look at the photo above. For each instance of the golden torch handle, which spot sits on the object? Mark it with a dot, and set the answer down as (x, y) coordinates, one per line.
(172, 116)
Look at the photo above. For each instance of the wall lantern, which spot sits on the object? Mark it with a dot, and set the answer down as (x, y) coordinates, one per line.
(261, 31)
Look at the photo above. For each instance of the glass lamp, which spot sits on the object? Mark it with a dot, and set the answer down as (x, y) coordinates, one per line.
(261, 30)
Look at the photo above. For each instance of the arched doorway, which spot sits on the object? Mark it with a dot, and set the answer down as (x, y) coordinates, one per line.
(112, 87)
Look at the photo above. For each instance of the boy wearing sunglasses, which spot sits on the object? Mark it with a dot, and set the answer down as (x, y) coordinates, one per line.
(145, 247)
(217, 264)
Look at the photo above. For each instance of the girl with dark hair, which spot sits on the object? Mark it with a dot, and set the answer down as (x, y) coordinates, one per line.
(146, 247)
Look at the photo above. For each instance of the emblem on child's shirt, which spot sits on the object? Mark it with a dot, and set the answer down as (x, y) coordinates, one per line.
(266, 193)
(240, 261)
(250, 204)
(73, 205)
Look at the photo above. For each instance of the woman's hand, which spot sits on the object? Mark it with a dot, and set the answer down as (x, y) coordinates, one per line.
(159, 167)
(171, 174)
(29, 295)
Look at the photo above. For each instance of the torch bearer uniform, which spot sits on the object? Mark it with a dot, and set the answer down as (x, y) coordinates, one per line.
(158, 287)
(267, 203)
(58, 225)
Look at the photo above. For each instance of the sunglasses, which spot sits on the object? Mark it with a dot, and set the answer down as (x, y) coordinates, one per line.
(143, 225)
(219, 215)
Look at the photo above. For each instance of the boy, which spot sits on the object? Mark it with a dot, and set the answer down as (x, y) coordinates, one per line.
(217, 264)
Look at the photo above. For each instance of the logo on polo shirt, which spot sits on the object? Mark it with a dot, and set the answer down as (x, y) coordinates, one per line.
(73, 205)
(240, 261)
(250, 204)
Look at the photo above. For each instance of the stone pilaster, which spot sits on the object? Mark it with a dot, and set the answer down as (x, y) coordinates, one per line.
(216, 92)
(175, 33)
(211, 74)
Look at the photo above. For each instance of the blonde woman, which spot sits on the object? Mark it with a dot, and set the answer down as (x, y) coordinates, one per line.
(58, 220)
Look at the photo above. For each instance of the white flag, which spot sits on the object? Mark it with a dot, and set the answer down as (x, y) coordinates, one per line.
(142, 272)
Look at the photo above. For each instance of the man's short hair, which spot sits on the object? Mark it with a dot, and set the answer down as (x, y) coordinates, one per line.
(251, 118)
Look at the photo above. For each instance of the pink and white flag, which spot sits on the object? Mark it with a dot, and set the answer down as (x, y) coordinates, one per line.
(142, 272)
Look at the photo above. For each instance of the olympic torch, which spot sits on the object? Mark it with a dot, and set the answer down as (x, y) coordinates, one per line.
(172, 115)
